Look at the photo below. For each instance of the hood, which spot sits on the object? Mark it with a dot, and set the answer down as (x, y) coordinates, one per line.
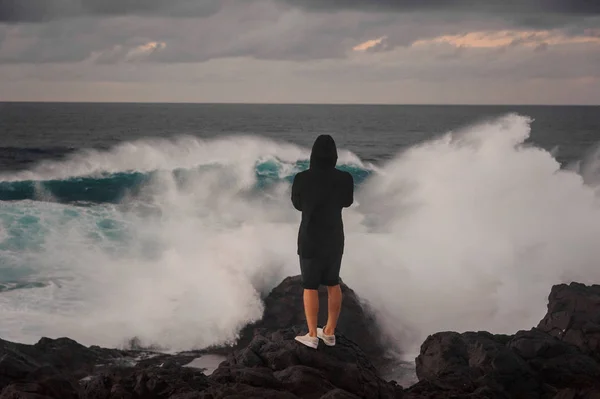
(324, 152)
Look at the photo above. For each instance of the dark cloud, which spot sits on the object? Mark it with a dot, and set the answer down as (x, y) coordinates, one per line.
(58, 42)
(509, 6)
(529, 10)
(46, 10)
(265, 30)
(176, 8)
(250, 29)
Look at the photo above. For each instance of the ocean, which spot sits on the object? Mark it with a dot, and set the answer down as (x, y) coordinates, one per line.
(168, 222)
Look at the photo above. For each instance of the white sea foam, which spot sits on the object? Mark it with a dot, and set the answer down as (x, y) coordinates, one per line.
(468, 231)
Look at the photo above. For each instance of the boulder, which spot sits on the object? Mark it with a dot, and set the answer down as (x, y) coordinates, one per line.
(47, 388)
(556, 363)
(472, 363)
(558, 359)
(578, 394)
(574, 316)
(15, 364)
(284, 307)
(50, 358)
(276, 361)
(152, 382)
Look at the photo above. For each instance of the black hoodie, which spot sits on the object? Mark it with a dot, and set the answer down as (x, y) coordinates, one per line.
(320, 193)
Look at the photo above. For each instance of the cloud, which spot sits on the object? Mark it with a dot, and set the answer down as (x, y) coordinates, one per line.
(328, 46)
(425, 62)
(121, 53)
(404, 75)
(255, 29)
(543, 14)
(532, 12)
(371, 44)
(505, 38)
(46, 10)
(263, 29)
(584, 7)
(145, 50)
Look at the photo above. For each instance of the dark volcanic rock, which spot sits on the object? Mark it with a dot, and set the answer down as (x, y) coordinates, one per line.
(15, 365)
(24, 363)
(574, 316)
(466, 363)
(556, 363)
(537, 345)
(275, 361)
(239, 391)
(272, 366)
(557, 360)
(154, 382)
(339, 394)
(284, 307)
(46, 388)
(53, 368)
(578, 394)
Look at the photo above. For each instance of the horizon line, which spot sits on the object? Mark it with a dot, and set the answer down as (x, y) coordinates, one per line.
(295, 103)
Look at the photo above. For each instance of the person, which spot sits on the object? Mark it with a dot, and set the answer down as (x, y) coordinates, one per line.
(320, 193)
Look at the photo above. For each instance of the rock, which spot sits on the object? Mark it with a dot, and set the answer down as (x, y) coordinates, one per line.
(557, 363)
(578, 394)
(154, 382)
(239, 391)
(339, 394)
(431, 390)
(48, 388)
(32, 370)
(471, 362)
(24, 391)
(574, 316)
(18, 361)
(540, 363)
(275, 361)
(284, 307)
(557, 360)
(15, 365)
(52, 368)
(67, 355)
(536, 344)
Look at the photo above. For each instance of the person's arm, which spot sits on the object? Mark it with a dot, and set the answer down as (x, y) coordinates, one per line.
(296, 189)
(348, 194)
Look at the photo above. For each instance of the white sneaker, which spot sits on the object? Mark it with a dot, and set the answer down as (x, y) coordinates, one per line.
(311, 342)
(328, 340)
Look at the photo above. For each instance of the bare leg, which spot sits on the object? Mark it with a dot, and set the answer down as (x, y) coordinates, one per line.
(334, 306)
(311, 309)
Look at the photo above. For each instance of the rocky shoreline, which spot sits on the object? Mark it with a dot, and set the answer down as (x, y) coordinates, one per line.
(558, 359)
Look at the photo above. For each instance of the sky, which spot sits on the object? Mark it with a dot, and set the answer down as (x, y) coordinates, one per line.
(301, 51)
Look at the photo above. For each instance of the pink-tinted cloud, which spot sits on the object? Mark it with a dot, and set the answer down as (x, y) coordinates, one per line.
(492, 39)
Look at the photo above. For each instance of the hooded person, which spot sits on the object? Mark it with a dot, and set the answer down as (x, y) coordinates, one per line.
(320, 193)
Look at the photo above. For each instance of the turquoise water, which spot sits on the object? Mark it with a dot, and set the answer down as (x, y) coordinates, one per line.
(115, 187)
(100, 209)
(71, 246)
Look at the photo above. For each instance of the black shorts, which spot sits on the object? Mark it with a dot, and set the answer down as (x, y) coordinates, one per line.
(320, 271)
